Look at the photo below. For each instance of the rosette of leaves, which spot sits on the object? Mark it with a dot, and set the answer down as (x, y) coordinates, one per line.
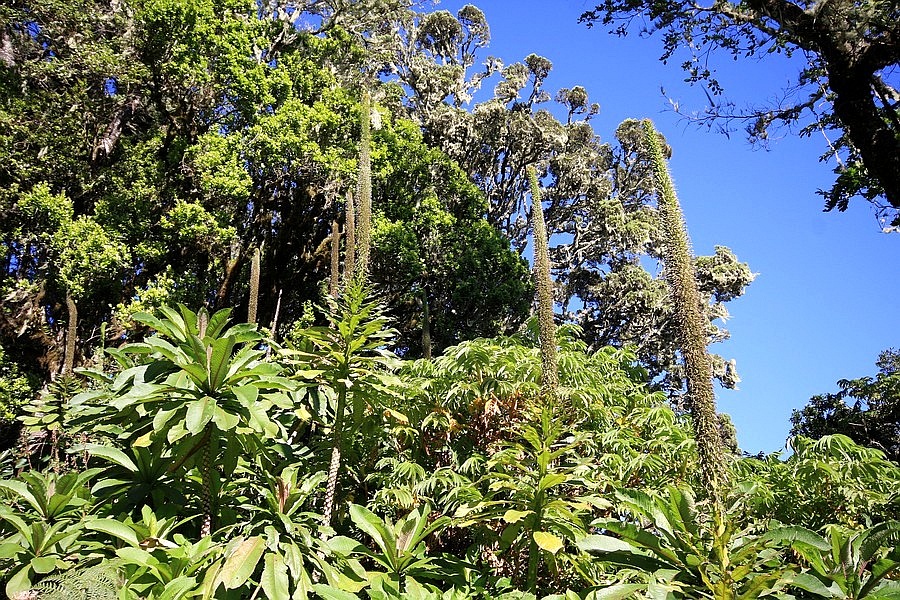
(201, 387)
(536, 502)
(295, 556)
(42, 524)
(665, 540)
(845, 563)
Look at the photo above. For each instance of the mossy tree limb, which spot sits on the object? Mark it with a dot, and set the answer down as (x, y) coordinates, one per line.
(544, 285)
(691, 324)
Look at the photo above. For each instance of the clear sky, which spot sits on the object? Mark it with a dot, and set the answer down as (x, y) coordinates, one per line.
(825, 301)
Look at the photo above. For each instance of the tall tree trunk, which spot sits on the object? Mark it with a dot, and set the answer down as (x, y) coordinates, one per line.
(231, 272)
(364, 235)
(274, 327)
(254, 286)
(691, 324)
(544, 284)
(877, 141)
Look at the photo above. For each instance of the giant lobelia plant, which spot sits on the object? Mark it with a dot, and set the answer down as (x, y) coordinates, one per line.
(198, 392)
(682, 279)
(349, 360)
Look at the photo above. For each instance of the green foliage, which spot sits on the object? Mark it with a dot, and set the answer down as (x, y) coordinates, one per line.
(99, 582)
(157, 152)
(845, 563)
(89, 257)
(193, 391)
(347, 357)
(539, 495)
(677, 551)
(864, 409)
(44, 518)
(16, 388)
(830, 480)
(400, 546)
(431, 241)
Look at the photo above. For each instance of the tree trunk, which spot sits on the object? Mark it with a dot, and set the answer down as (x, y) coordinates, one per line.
(231, 273)
(877, 142)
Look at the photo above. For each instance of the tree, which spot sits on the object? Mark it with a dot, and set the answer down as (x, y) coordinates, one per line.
(434, 253)
(597, 195)
(852, 50)
(865, 409)
(148, 168)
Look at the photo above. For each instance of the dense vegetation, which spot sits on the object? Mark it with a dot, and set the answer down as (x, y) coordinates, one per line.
(363, 407)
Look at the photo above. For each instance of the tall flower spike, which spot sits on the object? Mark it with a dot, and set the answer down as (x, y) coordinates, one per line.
(549, 372)
(691, 324)
(334, 279)
(350, 240)
(254, 286)
(71, 335)
(364, 187)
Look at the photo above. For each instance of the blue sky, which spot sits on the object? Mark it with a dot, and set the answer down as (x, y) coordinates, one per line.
(825, 301)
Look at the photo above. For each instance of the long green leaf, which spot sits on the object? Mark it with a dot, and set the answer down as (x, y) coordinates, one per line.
(616, 592)
(326, 592)
(795, 533)
(199, 413)
(883, 534)
(21, 490)
(114, 528)
(218, 362)
(370, 524)
(274, 579)
(241, 563)
(809, 583)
